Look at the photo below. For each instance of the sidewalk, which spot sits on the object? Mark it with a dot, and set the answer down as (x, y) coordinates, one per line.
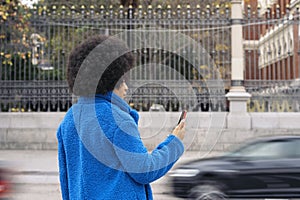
(36, 174)
(30, 166)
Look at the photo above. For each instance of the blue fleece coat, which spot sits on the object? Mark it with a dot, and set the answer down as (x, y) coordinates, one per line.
(101, 155)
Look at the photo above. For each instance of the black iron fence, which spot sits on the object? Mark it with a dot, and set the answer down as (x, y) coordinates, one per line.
(178, 51)
(183, 57)
(271, 50)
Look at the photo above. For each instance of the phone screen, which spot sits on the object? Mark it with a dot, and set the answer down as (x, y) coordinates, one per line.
(182, 116)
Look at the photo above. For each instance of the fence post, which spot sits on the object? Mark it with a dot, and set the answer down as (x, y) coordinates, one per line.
(237, 96)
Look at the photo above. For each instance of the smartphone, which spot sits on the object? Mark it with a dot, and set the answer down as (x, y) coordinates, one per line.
(182, 116)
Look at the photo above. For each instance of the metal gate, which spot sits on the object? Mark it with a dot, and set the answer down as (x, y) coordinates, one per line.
(182, 59)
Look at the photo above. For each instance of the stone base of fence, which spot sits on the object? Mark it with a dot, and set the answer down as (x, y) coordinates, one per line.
(206, 132)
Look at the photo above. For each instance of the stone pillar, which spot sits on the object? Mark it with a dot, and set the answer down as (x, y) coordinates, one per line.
(237, 96)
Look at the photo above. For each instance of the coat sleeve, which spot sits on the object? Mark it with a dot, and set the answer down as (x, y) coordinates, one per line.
(142, 166)
(63, 176)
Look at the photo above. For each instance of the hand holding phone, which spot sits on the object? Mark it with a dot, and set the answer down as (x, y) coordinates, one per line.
(179, 130)
(182, 116)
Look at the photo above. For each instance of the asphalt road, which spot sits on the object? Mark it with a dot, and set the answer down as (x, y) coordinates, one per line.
(35, 175)
(52, 192)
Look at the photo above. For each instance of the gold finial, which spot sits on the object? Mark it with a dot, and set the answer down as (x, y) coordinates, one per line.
(259, 6)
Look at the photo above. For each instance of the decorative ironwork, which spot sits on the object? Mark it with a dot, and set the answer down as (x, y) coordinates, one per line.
(34, 96)
(272, 69)
(33, 74)
(56, 29)
(274, 96)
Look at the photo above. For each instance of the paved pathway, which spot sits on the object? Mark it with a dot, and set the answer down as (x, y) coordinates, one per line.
(36, 175)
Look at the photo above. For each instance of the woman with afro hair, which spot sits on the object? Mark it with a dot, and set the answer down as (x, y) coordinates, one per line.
(100, 152)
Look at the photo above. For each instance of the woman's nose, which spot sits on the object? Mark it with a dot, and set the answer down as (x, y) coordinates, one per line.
(125, 86)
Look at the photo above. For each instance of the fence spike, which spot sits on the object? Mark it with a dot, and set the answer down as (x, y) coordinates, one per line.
(227, 7)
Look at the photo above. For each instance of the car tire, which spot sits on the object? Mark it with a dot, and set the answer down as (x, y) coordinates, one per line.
(209, 191)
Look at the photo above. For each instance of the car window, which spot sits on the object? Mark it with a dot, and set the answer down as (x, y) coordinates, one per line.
(296, 148)
(264, 150)
(270, 150)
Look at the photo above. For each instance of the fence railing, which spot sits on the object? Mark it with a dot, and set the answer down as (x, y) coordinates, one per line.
(183, 57)
(171, 46)
(271, 50)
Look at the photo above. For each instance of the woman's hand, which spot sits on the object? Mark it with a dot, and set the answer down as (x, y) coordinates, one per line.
(179, 130)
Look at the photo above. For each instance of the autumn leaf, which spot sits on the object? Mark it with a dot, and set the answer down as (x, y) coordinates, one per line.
(7, 56)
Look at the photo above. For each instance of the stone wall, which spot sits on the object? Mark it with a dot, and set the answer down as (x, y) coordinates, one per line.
(206, 132)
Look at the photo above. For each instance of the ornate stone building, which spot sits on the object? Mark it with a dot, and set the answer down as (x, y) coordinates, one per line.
(271, 39)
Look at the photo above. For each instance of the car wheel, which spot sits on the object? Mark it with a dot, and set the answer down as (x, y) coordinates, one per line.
(207, 192)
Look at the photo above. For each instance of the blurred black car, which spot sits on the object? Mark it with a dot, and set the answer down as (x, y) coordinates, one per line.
(265, 168)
